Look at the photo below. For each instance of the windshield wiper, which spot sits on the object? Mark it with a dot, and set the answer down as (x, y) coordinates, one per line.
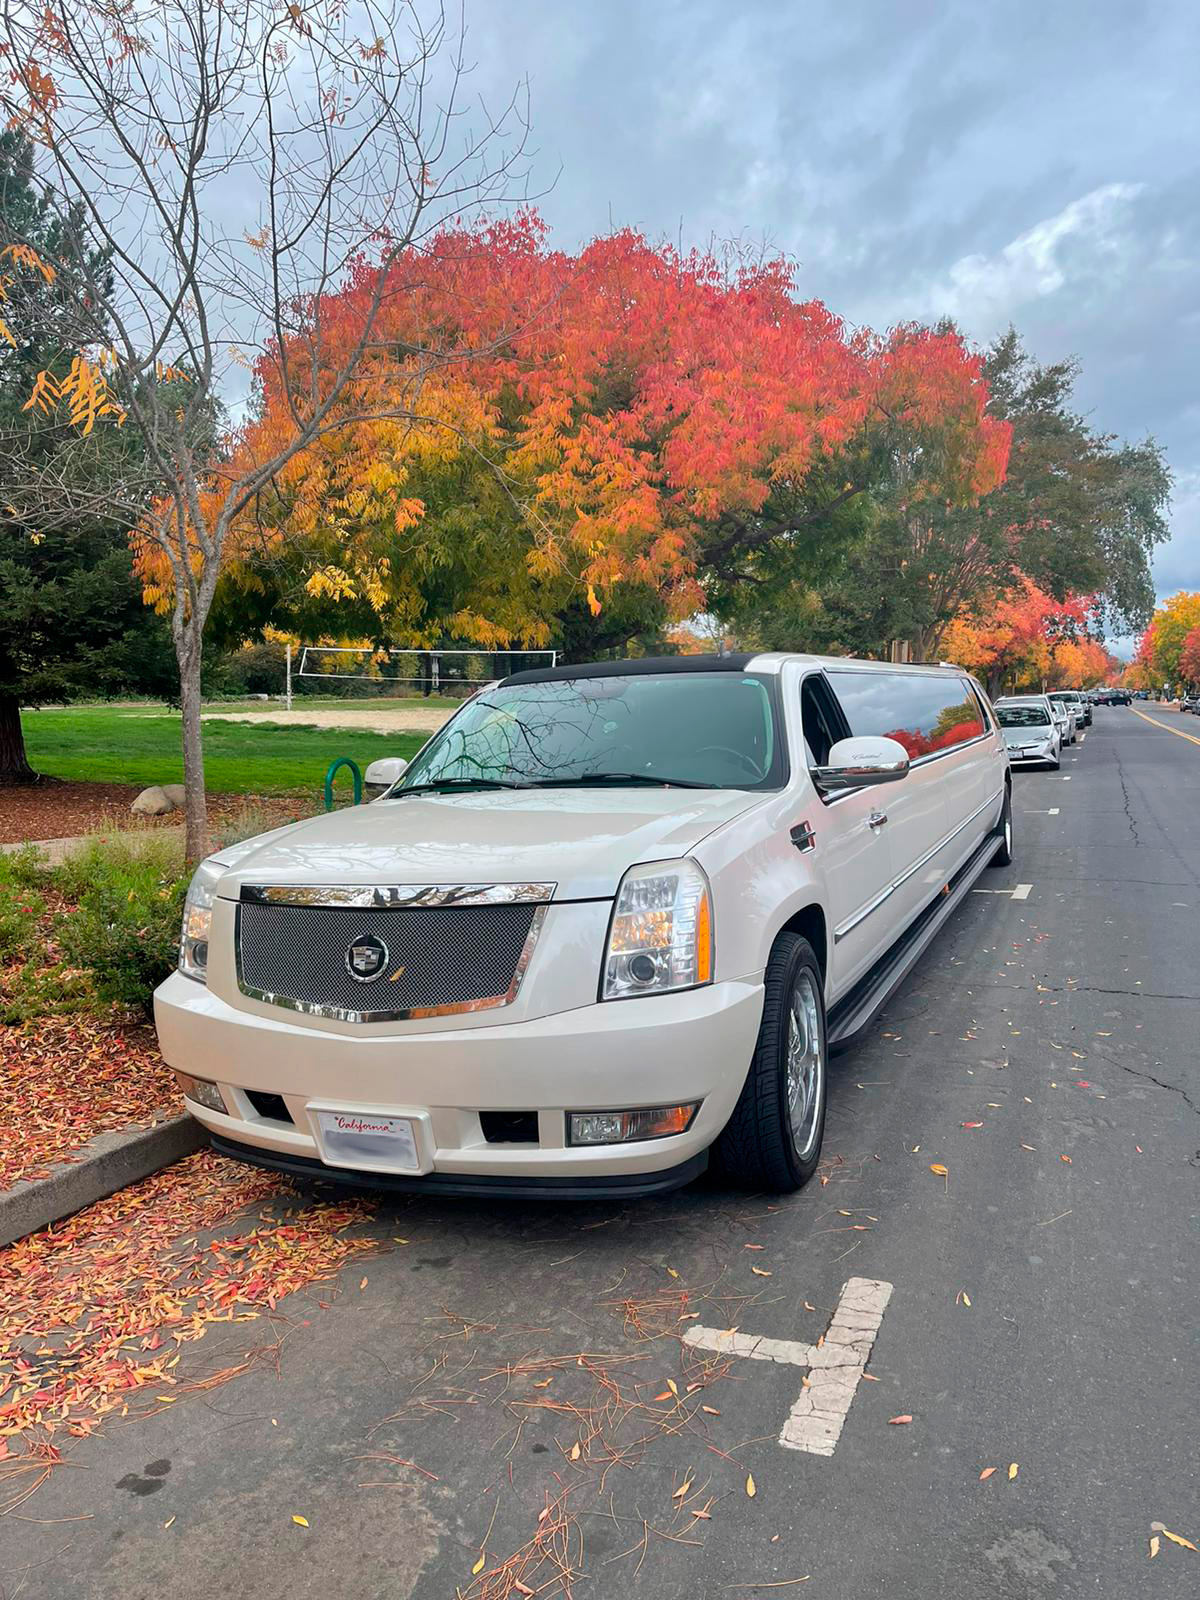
(620, 779)
(448, 785)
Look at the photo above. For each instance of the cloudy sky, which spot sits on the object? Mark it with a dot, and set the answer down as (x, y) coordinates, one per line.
(1035, 163)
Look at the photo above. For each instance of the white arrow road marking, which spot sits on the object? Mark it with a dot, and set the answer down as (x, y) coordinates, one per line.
(835, 1366)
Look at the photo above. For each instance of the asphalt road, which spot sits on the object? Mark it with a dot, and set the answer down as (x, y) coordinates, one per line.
(1043, 1313)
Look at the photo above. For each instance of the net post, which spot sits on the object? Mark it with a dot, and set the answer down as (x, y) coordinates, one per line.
(289, 675)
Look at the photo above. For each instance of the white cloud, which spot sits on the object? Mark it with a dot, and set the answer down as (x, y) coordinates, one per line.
(982, 292)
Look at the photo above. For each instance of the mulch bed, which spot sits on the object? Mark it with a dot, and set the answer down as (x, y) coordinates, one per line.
(61, 810)
(65, 1079)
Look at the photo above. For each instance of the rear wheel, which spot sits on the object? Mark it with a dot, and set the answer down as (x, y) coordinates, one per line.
(773, 1139)
(1004, 849)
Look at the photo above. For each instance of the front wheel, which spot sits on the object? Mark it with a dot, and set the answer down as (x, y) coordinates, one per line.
(773, 1139)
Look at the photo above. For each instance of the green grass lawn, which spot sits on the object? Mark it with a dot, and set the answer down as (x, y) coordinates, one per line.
(109, 745)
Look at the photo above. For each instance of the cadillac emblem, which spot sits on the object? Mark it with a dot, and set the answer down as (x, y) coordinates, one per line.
(366, 958)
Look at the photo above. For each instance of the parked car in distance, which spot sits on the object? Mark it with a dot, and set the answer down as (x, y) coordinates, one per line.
(610, 921)
(1081, 703)
(1122, 697)
(1064, 717)
(1190, 702)
(1031, 733)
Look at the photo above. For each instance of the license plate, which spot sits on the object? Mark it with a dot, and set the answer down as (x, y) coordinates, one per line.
(358, 1139)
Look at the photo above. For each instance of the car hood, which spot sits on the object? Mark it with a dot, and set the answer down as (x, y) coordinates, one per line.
(1020, 736)
(581, 840)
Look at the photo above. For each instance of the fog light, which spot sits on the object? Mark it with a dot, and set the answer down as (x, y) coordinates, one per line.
(202, 1092)
(619, 1127)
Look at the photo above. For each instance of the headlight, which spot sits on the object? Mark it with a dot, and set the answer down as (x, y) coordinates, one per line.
(661, 935)
(197, 920)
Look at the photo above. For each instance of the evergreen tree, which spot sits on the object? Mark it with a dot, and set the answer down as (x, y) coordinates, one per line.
(72, 620)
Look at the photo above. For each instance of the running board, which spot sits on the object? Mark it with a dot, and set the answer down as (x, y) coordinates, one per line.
(851, 1015)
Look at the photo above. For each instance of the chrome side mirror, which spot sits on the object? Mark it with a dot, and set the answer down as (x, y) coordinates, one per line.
(382, 774)
(856, 763)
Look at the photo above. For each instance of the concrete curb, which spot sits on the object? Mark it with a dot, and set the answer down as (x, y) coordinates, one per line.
(101, 1167)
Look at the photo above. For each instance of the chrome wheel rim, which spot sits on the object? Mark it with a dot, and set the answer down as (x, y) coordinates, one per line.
(805, 1065)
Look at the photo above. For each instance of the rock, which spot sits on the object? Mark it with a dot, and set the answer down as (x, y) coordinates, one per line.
(152, 802)
(175, 793)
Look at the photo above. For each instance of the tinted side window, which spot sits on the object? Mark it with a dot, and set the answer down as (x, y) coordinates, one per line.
(924, 714)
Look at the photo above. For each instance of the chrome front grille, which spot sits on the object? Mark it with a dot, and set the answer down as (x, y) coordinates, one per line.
(434, 959)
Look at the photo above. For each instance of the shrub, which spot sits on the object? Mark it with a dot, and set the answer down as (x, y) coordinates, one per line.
(20, 909)
(123, 928)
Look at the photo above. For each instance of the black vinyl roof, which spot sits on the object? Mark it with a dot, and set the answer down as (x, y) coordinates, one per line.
(645, 666)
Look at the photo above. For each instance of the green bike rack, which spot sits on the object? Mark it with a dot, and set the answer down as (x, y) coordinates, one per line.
(356, 775)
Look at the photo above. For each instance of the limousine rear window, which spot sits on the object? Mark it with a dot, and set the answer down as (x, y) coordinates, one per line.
(714, 730)
(925, 712)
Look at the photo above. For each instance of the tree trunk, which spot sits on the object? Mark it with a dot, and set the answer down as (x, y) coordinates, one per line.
(195, 804)
(14, 768)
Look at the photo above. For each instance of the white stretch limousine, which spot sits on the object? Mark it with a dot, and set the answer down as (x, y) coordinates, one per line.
(609, 922)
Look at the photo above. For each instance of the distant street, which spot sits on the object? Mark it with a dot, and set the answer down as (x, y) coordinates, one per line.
(503, 1404)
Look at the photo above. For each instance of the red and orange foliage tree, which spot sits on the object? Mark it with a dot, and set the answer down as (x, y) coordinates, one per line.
(1160, 656)
(1189, 658)
(1027, 640)
(628, 418)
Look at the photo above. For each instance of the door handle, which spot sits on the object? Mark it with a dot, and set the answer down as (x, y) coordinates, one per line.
(877, 819)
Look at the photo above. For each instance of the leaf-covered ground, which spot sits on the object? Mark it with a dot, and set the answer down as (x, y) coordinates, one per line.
(65, 1079)
(96, 1311)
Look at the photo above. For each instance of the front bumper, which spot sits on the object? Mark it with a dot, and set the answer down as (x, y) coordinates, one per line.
(662, 1050)
(1039, 759)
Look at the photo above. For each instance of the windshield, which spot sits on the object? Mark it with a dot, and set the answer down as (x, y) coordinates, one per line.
(1022, 716)
(713, 730)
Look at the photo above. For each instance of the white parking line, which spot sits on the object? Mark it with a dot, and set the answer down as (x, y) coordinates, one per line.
(1021, 892)
(1053, 812)
(836, 1363)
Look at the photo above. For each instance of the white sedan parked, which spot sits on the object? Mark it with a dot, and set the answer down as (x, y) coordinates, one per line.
(1032, 734)
(1067, 718)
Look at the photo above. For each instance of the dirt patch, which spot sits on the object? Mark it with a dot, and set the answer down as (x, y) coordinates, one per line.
(420, 719)
(61, 810)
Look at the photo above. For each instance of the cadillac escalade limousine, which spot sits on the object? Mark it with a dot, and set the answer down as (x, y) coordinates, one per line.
(606, 927)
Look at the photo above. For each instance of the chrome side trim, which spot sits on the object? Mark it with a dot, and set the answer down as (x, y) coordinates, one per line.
(861, 916)
(398, 896)
(953, 834)
(897, 883)
(338, 1014)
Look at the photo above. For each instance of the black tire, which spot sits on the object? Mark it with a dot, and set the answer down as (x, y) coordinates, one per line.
(1004, 850)
(757, 1148)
